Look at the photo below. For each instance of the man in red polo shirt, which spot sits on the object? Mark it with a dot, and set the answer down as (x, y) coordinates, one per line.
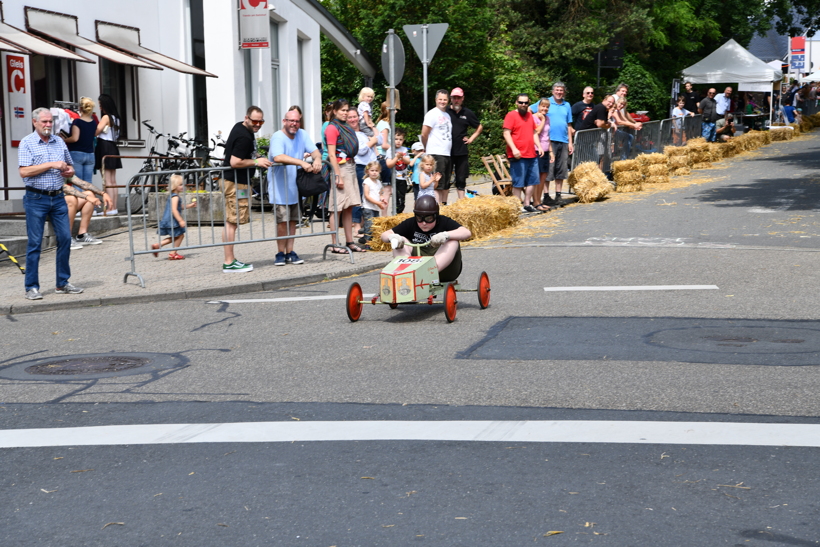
(522, 145)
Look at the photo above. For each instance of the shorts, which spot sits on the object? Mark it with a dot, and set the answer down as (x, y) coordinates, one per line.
(229, 188)
(443, 166)
(524, 172)
(285, 213)
(166, 232)
(544, 163)
(461, 168)
(558, 169)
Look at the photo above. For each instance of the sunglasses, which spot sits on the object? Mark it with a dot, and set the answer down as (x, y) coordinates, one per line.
(525, 103)
(256, 122)
(427, 219)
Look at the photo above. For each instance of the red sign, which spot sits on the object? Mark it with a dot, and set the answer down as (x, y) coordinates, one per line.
(16, 73)
(254, 24)
(798, 45)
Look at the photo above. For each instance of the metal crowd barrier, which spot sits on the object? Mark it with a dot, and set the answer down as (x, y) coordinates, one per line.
(592, 145)
(211, 211)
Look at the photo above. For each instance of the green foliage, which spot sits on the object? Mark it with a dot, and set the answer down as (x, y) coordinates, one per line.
(490, 142)
(645, 91)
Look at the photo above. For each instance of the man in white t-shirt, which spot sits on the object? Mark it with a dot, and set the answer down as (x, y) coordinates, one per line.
(437, 138)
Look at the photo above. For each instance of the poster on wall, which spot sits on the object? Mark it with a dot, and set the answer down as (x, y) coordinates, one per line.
(18, 100)
(254, 24)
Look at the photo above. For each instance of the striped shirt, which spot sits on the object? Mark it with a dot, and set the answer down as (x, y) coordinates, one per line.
(33, 151)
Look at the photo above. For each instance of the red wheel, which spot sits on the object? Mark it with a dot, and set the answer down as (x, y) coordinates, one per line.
(450, 302)
(393, 306)
(483, 290)
(354, 302)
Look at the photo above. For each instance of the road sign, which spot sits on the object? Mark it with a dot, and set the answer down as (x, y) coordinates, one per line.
(434, 34)
(392, 59)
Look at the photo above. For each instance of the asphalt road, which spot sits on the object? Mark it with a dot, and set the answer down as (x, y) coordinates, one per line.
(729, 339)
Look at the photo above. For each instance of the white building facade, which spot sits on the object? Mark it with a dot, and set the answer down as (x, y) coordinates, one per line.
(177, 63)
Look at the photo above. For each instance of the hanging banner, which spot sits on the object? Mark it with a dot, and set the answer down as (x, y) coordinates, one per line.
(254, 24)
(18, 98)
(798, 51)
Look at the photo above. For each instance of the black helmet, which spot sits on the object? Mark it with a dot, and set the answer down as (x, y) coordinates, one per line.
(426, 205)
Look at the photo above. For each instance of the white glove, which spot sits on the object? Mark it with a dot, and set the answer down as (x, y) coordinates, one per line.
(396, 242)
(439, 239)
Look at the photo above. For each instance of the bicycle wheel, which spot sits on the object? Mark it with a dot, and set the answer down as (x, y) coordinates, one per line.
(138, 194)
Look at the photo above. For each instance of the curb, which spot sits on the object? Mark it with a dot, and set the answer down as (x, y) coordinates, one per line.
(258, 286)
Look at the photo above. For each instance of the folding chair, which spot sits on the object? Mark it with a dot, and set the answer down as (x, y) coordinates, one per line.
(501, 179)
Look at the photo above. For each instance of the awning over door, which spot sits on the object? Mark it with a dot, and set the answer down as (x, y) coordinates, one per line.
(33, 44)
(128, 39)
(64, 28)
(5, 46)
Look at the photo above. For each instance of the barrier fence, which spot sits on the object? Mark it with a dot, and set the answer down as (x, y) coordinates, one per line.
(604, 146)
(206, 221)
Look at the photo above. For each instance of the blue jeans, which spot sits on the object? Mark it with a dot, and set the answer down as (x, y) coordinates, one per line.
(38, 207)
(708, 131)
(83, 164)
(357, 210)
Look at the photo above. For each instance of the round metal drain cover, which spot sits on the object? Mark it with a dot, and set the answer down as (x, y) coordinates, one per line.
(93, 366)
(740, 340)
(88, 365)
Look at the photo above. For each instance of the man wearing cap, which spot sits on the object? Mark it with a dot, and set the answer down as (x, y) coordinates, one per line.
(437, 138)
(441, 231)
(462, 119)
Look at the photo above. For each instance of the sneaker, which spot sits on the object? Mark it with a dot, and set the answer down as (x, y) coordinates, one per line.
(236, 266)
(86, 239)
(280, 259)
(68, 288)
(33, 294)
(75, 244)
(530, 209)
(293, 258)
(112, 212)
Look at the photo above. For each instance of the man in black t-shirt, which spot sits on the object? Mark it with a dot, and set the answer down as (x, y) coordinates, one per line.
(599, 118)
(691, 97)
(240, 153)
(582, 109)
(462, 118)
(442, 232)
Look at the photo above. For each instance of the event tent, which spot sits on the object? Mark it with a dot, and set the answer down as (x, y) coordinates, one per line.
(730, 63)
(813, 77)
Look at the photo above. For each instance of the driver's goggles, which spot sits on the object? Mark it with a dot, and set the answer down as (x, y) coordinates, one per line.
(429, 219)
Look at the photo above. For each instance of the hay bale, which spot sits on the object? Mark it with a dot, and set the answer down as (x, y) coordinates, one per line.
(702, 165)
(680, 172)
(628, 181)
(645, 160)
(678, 162)
(781, 133)
(481, 215)
(675, 151)
(700, 156)
(656, 170)
(715, 151)
(657, 180)
(698, 144)
(806, 125)
(625, 165)
(588, 182)
(796, 128)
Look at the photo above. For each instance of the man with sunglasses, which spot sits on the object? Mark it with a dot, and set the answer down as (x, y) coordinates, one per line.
(708, 108)
(442, 232)
(523, 149)
(240, 153)
(583, 108)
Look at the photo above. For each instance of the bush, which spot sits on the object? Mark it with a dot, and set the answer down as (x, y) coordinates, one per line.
(645, 91)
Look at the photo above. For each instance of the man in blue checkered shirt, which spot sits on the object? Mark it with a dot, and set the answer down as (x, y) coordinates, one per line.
(44, 164)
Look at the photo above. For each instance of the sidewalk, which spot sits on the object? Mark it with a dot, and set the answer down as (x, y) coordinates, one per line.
(100, 269)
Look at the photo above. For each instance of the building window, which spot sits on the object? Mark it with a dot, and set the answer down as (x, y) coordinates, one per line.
(120, 81)
(53, 79)
(198, 51)
(300, 60)
(276, 102)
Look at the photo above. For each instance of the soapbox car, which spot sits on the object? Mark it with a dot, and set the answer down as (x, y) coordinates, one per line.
(415, 280)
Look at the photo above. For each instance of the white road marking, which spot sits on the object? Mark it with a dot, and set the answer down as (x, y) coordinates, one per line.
(289, 299)
(547, 431)
(636, 288)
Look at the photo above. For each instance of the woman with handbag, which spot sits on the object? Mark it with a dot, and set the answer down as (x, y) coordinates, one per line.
(342, 147)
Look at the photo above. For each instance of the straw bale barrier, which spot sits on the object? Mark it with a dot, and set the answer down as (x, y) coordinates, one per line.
(698, 144)
(481, 215)
(628, 181)
(658, 180)
(656, 170)
(716, 151)
(781, 133)
(675, 151)
(796, 128)
(806, 125)
(588, 182)
(680, 172)
(700, 156)
(645, 160)
(679, 162)
(625, 165)
(702, 165)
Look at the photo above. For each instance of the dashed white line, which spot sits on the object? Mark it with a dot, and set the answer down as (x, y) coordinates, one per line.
(288, 299)
(636, 288)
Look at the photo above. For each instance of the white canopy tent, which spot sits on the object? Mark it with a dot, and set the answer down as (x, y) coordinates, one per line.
(732, 63)
(813, 77)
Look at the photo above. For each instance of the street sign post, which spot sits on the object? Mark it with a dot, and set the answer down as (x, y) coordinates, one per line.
(393, 69)
(425, 39)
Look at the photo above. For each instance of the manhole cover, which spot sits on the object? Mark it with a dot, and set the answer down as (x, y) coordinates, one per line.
(93, 366)
(88, 365)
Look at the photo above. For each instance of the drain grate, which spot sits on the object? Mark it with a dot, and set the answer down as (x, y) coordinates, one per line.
(88, 365)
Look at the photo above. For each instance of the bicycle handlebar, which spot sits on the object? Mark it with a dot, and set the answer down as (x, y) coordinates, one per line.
(415, 245)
